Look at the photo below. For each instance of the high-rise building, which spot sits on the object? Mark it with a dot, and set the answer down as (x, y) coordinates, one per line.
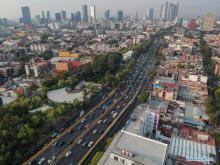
(43, 15)
(26, 16)
(93, 13)
(5, 21)
(48, 16)
(107, 15)
(73, 17)
(166, 10)
(162, 12)
(58, 17)
(37, 17)
(171, 12)
(120, 16)
(78, 16)
(84, 13)
(208, 22)
(63, 16)
(150, 13)
(1, 21)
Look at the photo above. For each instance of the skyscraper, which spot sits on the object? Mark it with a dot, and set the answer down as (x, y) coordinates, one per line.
(162, 13)
(48, 16)
(63, 16)
(1, 21)
(26, 16)
(166, 10)
(78, 16)
(93, 13)
(107, 15)
(172, 12)
(150, 13)
(208, 22)
(58, 17)
(120, 16)
(84, 13)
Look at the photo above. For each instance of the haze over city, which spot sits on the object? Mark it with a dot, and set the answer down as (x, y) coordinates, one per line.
(11, 8)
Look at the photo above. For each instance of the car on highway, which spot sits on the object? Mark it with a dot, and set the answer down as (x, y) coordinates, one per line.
(67, 154)
(55, 144)
(50, 160)
(61, 130)
(61, 143)
(105, 121)
(83, 121)
(87, 125)
(94, 131)
(114, 115)
(54, 134)
(90, 144)
(79, 141)
(99, 122)
(84, 143)
(42, 161)
(32, 163)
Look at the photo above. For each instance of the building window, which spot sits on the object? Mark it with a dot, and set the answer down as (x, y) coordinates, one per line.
(122, 160)
(115, 158)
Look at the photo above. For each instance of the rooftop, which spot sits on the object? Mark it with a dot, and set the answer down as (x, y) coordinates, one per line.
(144, 150)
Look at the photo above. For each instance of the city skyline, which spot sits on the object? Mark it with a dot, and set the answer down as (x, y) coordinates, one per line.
(11, 9)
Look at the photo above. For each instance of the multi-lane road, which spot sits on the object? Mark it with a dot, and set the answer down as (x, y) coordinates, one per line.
(71, 146)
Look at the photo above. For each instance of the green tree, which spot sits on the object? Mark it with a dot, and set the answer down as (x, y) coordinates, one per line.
(143, 97)
(25, 134)
(96, 158)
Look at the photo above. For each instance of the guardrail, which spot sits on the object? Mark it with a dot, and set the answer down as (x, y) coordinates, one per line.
(65, 132)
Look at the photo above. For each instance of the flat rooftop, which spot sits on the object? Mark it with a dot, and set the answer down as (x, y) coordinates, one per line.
(136, 122)
(145, 150)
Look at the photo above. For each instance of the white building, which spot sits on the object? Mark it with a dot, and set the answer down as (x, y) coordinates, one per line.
(93, 13)
(130, 149)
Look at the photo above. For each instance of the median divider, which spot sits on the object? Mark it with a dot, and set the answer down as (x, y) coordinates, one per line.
(65, 132)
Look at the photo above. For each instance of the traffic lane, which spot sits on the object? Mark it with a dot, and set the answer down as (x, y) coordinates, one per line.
(78, 151)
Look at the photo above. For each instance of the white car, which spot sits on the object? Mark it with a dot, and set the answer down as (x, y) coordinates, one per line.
(68, 154)
(99, 122)
(90, 144)
(79, 141)
(94, 131)
(42, 161)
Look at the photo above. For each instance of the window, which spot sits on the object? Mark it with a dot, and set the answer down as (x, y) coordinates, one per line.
(115, 158)
(122, 160)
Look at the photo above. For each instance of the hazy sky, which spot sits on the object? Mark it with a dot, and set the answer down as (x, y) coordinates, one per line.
(12, 8)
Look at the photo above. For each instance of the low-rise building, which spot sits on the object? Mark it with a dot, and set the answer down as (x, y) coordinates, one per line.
(36, 67)
(9, 69)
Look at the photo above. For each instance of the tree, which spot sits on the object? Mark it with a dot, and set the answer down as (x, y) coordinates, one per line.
(76, 103)
(47, 55)
(25, 134)
(143, 97)
(96, 158)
